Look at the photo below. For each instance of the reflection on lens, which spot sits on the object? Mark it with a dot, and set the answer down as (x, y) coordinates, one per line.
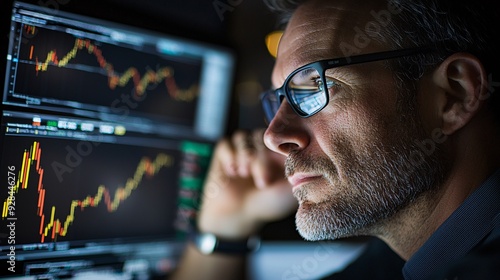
(270, 104)
(307, 92)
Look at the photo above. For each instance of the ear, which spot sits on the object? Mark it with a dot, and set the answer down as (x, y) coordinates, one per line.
(463, 80)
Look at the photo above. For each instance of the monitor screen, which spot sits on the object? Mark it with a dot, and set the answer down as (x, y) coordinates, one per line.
(107, 131)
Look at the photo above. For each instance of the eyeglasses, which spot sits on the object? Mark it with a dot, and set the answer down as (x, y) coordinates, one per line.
(307, 89)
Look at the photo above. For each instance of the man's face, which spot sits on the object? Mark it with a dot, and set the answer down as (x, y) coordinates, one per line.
(356, 162)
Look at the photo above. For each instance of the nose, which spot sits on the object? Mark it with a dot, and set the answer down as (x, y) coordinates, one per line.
(286, 132)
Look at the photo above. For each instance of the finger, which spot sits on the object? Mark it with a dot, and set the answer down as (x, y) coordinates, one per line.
(266, 171)
(267, 166)
(225, 157)
(244, 150)
(258, 140)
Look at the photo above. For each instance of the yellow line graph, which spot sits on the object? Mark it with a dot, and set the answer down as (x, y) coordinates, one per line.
(164, 74)
(55, 227)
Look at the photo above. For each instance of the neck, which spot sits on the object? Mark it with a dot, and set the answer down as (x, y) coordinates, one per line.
(410, 228)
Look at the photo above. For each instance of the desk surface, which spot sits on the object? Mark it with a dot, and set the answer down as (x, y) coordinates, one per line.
(301, 260)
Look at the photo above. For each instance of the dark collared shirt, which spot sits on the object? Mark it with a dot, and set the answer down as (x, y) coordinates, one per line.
(475, 223)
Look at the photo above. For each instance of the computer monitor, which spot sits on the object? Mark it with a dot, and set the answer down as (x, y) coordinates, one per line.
(107, 131)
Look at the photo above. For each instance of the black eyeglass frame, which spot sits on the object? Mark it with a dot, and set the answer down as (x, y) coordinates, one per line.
(322, 65)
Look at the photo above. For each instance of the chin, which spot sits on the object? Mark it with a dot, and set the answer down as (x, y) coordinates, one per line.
(328, 221)
(313, 223)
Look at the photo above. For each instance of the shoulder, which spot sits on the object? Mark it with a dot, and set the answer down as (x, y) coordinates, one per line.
(481, 263)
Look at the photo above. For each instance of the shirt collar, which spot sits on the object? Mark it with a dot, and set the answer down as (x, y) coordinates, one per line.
(460, 233)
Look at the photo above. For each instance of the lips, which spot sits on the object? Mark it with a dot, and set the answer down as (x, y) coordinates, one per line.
(298, 179)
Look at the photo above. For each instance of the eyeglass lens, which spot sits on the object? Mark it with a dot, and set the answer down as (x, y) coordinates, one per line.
(306, 91)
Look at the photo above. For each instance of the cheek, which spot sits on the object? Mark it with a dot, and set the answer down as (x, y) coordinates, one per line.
(374, 115)
(364, 123)
(353, 126)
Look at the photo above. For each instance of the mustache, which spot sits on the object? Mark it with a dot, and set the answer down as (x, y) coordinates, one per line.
(299, 162)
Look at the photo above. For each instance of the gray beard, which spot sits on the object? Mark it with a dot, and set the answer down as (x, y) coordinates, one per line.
(378, 182)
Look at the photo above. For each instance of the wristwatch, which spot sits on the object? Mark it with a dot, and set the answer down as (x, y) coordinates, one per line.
(208, 243)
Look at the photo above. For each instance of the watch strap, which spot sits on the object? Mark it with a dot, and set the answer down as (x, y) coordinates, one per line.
(208, 243)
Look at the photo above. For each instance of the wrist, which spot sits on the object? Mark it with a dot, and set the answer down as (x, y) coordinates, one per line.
(209, 243)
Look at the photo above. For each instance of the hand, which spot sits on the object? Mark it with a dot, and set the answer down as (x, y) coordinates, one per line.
(245, 188)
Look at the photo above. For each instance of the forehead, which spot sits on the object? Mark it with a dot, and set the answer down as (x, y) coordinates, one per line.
(320, 29)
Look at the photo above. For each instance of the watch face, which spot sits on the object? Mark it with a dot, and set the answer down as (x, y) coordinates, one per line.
(206, 243)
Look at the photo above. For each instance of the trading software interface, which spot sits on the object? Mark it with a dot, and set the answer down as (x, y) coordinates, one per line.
(107, 131)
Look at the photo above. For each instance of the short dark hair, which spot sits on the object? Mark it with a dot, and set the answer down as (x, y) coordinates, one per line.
(449, 26)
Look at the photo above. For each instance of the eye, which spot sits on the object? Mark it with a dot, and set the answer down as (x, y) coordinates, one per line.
(329, 83)
(319, 83)
(308, 81)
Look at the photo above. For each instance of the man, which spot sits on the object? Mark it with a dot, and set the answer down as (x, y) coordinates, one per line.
(385, 117)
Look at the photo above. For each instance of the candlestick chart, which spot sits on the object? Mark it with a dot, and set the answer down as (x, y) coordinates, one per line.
(61, 66)
(102, 197)
(107, 131)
